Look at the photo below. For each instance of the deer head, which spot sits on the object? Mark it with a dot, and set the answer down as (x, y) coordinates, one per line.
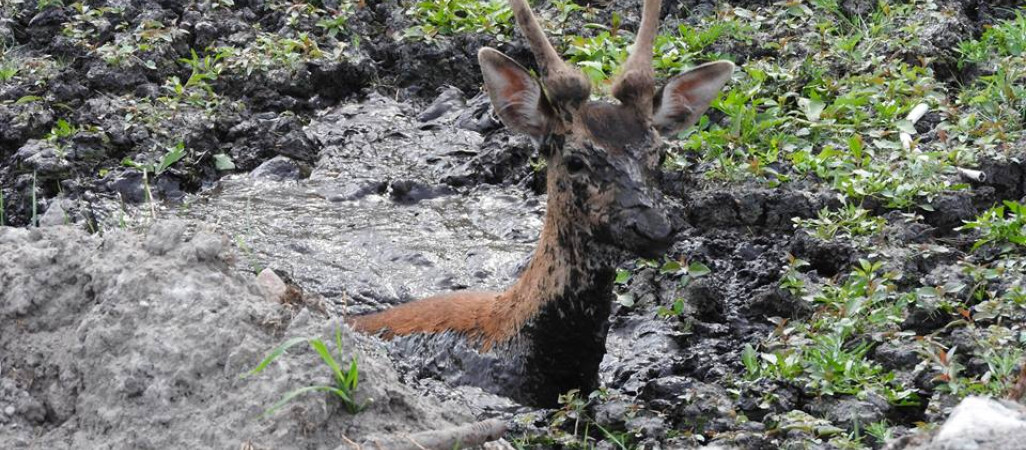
(601, 155)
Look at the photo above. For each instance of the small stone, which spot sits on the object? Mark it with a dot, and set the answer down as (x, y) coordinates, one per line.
(9, 410)
(271, 285)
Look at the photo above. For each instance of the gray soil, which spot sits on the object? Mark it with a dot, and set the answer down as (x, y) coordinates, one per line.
(137, 341)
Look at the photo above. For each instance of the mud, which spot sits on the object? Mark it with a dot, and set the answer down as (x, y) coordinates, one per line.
(370, 178)
(138, 341)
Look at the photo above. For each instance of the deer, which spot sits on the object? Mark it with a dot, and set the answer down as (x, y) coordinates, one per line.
(603, 161)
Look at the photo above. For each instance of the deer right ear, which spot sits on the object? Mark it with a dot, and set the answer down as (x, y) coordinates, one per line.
(516, 96)
(686, 96)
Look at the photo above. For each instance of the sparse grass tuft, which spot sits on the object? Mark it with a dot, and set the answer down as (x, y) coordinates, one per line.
(345, 383)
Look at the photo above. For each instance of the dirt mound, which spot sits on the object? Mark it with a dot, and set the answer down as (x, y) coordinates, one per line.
(134, 341)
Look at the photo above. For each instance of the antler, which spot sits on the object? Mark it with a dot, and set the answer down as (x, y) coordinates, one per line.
(546, 56)
(636, 83)
(567, 87)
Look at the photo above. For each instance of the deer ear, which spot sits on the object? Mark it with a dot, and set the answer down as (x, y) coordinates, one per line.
(516, 96)
(685, 97)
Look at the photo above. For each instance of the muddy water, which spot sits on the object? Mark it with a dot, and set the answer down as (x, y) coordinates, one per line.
(373, 225)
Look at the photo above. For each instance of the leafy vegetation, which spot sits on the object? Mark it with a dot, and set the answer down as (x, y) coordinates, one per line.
(1003, 225)
(849, 221)
(448, 17)
(821, 353)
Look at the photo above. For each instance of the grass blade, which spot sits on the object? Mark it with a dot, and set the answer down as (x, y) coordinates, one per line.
(293, 394)
(274, 355)
(322, 350)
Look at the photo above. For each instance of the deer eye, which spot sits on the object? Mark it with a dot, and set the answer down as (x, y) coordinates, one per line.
(574, 164)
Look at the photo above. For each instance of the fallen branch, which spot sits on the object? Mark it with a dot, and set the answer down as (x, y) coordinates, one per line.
(463, 436)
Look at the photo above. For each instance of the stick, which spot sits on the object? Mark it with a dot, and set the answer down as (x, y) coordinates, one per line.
(469, 435)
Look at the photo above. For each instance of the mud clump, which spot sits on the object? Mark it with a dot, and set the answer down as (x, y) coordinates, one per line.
(139, 341)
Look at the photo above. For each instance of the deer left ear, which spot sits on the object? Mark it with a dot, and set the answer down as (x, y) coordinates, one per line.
(685, 97)
(516, 96)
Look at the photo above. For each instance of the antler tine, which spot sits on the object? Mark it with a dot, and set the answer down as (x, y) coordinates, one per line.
(636, 83)
(546, 56)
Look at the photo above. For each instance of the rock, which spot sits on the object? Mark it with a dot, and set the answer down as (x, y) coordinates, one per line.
(979, 423)
(54, 215)
(772, 301)
(894, 354)
(449, 99)
(279, 168)
(707, 299)
(849, 412)
(271, 285)
(141, 337)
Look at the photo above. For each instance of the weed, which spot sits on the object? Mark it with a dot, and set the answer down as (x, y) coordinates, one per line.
(171, 156)
(345, 383)
(7, 72)
(1003, 226)
(851, 221)
(880, 431)
(335, 24)
(46, 4)
(1003, 40)
(448, 17)
(62, 130)
(791, 279)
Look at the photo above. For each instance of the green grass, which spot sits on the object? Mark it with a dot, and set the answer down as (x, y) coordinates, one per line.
(344, 382)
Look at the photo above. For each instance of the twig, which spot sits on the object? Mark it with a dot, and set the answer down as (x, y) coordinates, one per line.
(469, 435)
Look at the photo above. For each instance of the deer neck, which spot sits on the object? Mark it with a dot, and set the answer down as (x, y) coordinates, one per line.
(559, 308)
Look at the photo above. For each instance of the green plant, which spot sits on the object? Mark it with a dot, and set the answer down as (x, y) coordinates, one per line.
(46, 4)
(335, 24)
(171, 156)
(850, 220)
(7, 72)
(791, 279)
(880, 431)
(345, 383)
(62, 130)
(686, 273)
(1002, 225)
(448, 17)
(1002, 40)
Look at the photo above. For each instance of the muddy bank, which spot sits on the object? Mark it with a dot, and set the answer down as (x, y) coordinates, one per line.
(132, 340)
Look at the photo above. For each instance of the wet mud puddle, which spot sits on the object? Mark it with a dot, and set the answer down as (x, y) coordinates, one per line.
(372, 224)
